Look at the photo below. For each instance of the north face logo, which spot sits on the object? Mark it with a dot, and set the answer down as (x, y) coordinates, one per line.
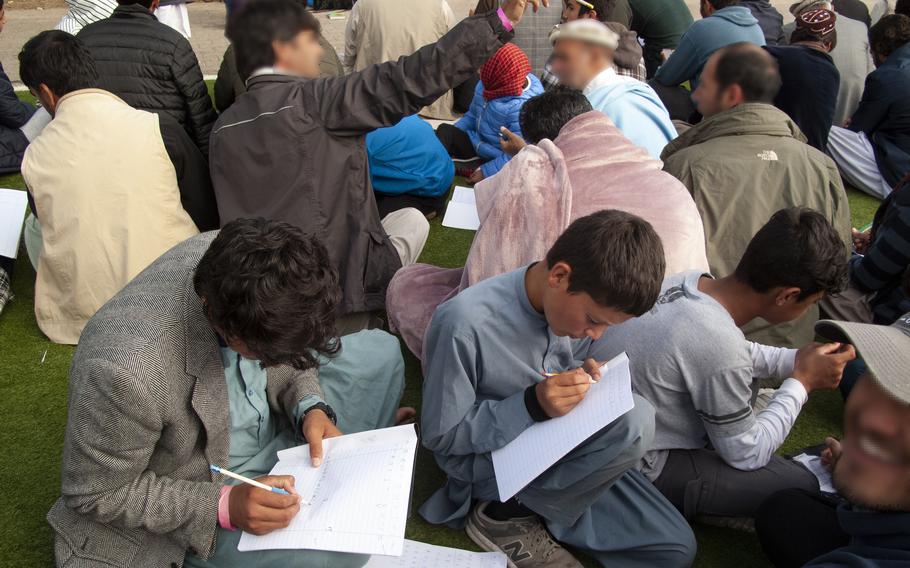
(768, 155)
(515, 550)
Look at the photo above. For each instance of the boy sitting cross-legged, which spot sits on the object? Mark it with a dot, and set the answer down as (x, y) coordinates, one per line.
(713, 454)
(485, 355)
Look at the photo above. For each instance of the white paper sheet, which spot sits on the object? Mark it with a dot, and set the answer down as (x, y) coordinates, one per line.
(422, 555)
(814, 464)
(543, 444)
(462, 210)
(357, 501)
(12, 215)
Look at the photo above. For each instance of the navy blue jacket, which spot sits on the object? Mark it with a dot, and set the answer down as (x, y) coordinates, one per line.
(769, 19)
(878, 540)
(884, 115)
(806, 70)
(885, 263)
(13, 115)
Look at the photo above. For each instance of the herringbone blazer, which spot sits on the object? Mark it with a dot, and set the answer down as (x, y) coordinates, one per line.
(148, 412)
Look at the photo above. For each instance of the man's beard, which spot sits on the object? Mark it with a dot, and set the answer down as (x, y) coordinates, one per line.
(861, 502)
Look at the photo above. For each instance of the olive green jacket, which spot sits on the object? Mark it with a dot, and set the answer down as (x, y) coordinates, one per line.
(742, 166)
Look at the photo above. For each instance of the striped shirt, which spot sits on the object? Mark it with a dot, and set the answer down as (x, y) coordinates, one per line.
(84, 12)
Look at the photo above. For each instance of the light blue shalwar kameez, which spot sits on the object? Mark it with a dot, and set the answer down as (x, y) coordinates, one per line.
(363, 385)
(484, 348)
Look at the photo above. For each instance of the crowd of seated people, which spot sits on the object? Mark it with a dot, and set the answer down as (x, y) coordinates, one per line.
(681, 199)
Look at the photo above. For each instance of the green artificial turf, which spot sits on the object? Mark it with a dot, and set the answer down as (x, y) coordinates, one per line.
(33, 386)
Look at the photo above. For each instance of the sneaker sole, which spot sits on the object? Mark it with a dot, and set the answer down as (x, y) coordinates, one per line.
(483, 542)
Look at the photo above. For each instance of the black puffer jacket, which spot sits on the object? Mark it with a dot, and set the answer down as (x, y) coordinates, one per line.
(151, 67)
(13, 115)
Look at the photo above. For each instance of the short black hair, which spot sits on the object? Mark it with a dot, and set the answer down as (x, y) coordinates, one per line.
(721, 4)
(544, 116)
(616, 258)
(269, 285)
(902, 7)
(604, 8)
(261, 22)
(889, 34)
(752, 68)
(60, 61)
(797, 248)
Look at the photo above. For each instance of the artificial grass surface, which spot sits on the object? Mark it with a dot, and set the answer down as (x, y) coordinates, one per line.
(33, 391)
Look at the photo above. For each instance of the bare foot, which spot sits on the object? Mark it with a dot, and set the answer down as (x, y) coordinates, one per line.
(405, 415)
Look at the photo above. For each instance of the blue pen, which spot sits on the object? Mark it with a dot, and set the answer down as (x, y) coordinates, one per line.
(252, 482)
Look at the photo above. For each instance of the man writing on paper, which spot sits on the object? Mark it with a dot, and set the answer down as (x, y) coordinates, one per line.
(713, 454)
(487, 351)
(210, 357)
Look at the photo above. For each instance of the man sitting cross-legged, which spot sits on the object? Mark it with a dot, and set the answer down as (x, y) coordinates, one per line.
(214, 355)
(486, 352)
(712, 453)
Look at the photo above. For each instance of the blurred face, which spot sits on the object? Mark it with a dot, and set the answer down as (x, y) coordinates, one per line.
(786, 305)
(874, 468)
(299, 56)
(575, 63)
(709, 98)
(572, 10)
(705, 8)
(575, 314)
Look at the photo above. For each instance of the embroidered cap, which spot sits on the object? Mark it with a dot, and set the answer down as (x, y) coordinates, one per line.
(586, 30)
(818, 23)
(884, 349)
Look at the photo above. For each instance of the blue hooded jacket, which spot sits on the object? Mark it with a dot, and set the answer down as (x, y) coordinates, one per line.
(638, 112)
(485, 118)
(729, 25)
(408, 158)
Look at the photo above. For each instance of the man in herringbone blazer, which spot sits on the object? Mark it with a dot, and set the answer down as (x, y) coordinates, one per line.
(210, 356)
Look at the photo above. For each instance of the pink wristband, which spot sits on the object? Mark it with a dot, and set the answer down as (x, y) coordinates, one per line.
(224, 510)
(506, 22)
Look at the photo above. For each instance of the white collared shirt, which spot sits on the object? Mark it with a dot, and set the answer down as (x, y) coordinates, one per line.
(606, 77)
(267, 71)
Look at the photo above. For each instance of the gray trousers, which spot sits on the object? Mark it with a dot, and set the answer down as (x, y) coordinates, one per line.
(699, 482)
(594, 500)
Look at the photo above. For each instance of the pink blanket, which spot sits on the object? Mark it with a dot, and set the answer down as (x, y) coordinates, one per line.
(523, 209)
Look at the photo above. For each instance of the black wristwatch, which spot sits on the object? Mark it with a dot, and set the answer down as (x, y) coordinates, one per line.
(325, 408)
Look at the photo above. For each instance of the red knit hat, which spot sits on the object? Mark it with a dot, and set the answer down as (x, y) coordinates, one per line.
(505, 74)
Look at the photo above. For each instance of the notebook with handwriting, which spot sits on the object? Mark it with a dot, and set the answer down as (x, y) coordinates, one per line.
(543, 444)
(357, 501)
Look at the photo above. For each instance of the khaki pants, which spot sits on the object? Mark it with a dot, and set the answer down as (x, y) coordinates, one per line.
(850, 305)
(408, 230)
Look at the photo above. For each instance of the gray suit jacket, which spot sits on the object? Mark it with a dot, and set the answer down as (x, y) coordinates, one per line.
(148, 413)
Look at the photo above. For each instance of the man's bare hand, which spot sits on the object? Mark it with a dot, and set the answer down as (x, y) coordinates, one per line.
(513, 143)
(515, 9)
(258, 511)
(821, 366)
(476, 177)
(317, 426)
(831, 454)
(559, 394)
(592, 367)
(861, 241)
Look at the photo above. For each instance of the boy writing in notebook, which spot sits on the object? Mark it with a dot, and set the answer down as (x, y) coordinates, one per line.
(712, 454)
(487, 353)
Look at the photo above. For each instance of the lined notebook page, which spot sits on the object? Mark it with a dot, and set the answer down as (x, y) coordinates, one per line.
(422, 555)
(12, 215)
(357, 501)
(543, 444)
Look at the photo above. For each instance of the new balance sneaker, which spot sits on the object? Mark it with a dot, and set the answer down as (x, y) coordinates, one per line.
(526, 542)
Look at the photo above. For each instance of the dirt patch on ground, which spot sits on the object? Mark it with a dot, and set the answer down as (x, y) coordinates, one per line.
(33, 4)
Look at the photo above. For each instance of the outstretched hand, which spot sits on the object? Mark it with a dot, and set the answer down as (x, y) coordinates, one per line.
(515, 9)
(510, 142)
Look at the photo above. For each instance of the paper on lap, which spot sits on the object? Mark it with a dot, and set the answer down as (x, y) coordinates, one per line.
(357, 501)
(12, 216)
(462, 210)
(543, 444)
(814, 464)
(422, 555)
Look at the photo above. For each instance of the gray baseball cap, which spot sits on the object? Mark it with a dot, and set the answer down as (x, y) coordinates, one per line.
(885, 350)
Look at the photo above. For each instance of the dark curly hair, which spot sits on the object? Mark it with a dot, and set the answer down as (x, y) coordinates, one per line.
(889, 34)
(275, 289)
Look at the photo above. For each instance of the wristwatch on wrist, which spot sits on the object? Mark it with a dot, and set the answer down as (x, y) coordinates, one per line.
(325, 408)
